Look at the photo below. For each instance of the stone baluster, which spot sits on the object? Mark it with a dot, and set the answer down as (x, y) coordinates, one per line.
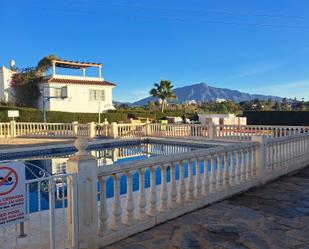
(226, 179)
(212, 175)
(206, 178)
(181, 185)
(232, 168)
(198, 182)
(190, 186)
(116, 208)
(249, 163)
(163, 192)
(103, 214)
(141, 202)
(237, 167)
(243, 165)
(219, 172)
(254, 162)
(129, 218)
(152, 209)
(172, 201)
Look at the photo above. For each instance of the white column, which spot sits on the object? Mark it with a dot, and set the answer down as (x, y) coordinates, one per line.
(129, 218)
(103, 214)
(219, 172)
(114, 130)
(190, 187)
(226, 180)
(173, 193)
(100, 71)
(181, 185)
(163, 191)
(141, 202)
(212, 175)
(261, 163)
(206, 178)
(198, 184)
(54, 68)
(152, 209)
(116, 207)
(85, 166)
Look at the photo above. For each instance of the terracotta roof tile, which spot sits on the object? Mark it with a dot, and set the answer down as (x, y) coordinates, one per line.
(78, 81)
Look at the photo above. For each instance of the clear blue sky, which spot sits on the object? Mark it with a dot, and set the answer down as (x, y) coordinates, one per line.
(256, 46)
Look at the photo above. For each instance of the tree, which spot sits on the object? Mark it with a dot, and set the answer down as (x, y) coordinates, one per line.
(163, 92)
(26, 82)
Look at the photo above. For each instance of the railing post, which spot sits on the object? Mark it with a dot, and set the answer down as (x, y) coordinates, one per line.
(105, 128)
(85, 167)
(261, 162)
(91, 130)
(74, 128)
(211, 130)
(13, 128)
(147, 127)
(114, 130)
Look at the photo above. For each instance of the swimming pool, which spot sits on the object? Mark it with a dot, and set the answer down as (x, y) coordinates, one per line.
(107, 155)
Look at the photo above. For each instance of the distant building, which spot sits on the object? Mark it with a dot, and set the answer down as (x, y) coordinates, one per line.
(76, 93)
(218, 100)
(6, 91)
(222, 119)
(191, 102)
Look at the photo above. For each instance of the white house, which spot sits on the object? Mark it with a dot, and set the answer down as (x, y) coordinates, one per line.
(222, 119)
(69, 93)
(6, 90)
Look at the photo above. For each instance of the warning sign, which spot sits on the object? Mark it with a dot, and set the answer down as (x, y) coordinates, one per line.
(12, 193)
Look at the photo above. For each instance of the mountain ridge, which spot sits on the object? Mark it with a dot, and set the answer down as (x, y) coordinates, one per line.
(202, 92)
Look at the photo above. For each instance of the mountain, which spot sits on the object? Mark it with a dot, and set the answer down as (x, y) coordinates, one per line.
(202, 92)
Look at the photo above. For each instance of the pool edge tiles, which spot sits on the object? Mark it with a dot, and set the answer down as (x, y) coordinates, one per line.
(30, 151)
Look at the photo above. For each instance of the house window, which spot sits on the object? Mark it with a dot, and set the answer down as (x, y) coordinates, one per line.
(97, 95)
(57, 92)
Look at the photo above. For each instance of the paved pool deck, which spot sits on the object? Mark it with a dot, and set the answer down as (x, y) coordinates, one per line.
(272, 216)
(20, 142)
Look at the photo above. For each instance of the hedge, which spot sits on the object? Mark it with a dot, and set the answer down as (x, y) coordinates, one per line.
(35, 115)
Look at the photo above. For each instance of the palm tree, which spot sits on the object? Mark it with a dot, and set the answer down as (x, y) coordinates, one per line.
(45, 63)
(163, 92)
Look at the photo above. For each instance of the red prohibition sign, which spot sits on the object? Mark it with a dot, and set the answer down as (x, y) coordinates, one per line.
(10, 172)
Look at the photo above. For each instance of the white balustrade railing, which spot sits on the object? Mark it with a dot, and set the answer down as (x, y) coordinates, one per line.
(82, 130)
(171, 186)
(5, 129)
(178, 130)
(103, 130)
(245, 132)
(43, 129)
(285, 154)
(227, 132)
(131, 130)
(164, 187)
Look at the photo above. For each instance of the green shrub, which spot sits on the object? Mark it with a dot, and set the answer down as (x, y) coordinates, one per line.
(34, 115)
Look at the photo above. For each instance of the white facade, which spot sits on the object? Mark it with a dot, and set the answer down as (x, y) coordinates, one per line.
(222, 119)
(6, 91)
(84, 94)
